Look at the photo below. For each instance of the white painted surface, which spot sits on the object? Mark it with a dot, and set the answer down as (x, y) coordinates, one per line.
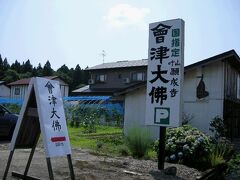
(202, 111)
(134, 115)
(4, 91)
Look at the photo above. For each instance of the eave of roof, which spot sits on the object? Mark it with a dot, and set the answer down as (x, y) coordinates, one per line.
(214, 59)
(27, 80)
(120, 64)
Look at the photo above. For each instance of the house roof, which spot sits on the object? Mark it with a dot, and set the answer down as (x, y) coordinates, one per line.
(227, 56)
(213, 59)
(26, 81)
(144, 62)
(120, 64)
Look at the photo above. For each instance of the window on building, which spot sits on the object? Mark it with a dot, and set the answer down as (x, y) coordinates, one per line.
(17, 91)
(101, 78)
(138, 76)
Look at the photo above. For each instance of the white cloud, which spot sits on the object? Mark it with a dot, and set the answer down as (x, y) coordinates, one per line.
(122, 15)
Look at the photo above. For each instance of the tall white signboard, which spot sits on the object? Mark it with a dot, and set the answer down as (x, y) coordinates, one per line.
(165, 73)
(52, 117)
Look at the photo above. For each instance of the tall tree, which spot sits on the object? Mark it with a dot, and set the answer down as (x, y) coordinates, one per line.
(6, 66)
(16, 66)
(47, 70)
(77, 76)
(1, 68)
(27, 67)
(39, 69)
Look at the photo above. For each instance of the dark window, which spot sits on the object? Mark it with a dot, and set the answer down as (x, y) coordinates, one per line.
(119, 76)
(138, 76)
(17, 91)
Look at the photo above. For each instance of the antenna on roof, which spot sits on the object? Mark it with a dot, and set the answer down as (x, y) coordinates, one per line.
(103, 54)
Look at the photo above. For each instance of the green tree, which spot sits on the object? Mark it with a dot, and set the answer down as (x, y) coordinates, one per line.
(1, 68)
(16, 66)
(39, 70)
(11, 76)
(27, 67)
(47, 70)
(6, 66)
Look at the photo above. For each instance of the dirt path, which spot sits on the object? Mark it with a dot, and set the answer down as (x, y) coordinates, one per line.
(88, 166)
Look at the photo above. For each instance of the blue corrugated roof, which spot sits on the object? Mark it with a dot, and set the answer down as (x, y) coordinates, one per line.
(86, 98)
(10, 101)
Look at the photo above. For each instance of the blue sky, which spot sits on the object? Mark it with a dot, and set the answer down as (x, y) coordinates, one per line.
(75, 32)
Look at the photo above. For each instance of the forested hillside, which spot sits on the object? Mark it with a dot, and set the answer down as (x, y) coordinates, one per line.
(75, 77)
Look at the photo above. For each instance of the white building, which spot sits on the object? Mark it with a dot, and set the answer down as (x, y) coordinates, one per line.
(18, 89)
(4, 90)
(211, 88)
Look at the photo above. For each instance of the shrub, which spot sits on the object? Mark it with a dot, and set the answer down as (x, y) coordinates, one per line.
(138, 141)
(218, 128)
(186, 145)
(233, 169)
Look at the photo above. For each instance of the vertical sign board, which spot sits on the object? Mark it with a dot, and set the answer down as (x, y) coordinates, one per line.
(43, 106)
(52, 117)
(165, 73)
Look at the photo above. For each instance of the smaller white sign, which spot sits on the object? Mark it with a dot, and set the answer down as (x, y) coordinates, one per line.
(52, 118)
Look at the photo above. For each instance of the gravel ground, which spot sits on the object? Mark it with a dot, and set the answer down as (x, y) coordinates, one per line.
(88, 166)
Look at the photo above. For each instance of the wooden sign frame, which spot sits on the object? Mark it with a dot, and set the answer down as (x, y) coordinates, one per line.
(26, 136)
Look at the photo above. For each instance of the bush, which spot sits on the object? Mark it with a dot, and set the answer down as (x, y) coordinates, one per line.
(233, 169)
(186, 145)
(218, 127)
(138, 141)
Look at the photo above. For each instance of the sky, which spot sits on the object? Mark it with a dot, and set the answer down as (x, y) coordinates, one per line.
(75, 32)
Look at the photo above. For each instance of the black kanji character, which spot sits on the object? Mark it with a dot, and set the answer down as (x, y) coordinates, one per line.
(173, 92)
(174, 82)
(56, 125)
(54, 113)
(160, 31)
(49, 86)
(159, 53)
(159, 75)
(174, 71)
(159, 93)
(52, 100)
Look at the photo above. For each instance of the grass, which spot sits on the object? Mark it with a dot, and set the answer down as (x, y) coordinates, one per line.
(107, 140)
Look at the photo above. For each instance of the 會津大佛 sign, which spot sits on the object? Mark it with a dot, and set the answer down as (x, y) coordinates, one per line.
(52, 117)
(165, 73)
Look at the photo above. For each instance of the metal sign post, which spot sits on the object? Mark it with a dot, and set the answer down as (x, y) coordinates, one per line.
(31, 123)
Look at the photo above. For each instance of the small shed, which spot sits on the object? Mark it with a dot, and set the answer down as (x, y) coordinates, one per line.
(18, 89)
(4, 90)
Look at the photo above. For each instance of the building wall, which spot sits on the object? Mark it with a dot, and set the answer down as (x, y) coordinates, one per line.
(18, 91)
(4, 91)
(23, 90)
(115, 77)
(134, 115)
(202, 111)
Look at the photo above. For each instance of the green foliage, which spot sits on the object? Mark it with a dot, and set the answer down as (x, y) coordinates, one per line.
(13, 108)
(10, 76)
(107, 140)
(138, 141)
(234, 166)
(186, 145)
(17, 71)
(220, 153)
(218, 127)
